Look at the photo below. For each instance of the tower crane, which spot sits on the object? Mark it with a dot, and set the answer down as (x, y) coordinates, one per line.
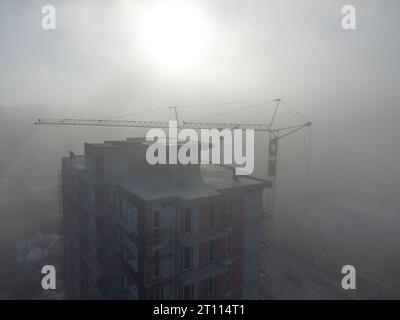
(275, 135)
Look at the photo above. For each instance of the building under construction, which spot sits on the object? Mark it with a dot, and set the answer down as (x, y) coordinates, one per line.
(136, 231)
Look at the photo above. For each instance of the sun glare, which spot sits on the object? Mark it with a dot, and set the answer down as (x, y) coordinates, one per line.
(173, 34)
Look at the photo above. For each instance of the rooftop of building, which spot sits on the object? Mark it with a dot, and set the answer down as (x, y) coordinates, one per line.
(210, 181)
(36, 247)
(169, 181)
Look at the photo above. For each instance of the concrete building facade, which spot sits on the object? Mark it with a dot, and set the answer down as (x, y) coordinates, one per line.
(136, 231)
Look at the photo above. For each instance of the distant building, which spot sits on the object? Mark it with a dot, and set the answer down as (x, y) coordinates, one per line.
(31, 255)
(135, 231)
(360, 234)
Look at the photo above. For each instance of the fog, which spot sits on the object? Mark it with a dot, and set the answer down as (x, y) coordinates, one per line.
(94, 66)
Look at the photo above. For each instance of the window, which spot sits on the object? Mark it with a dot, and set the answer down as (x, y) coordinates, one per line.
(188, 292)
(187, 258)
(211, 216)
(228, 277)
(99, 166)
(228, 245)
(156, 220)
(211, 287)
(100, 226)
(101, 256)
(158, 293)
(187, 220)
(156, 266)
(103, 285)
(211, 251)
(156, 223)
(123, 282)
(131, 219)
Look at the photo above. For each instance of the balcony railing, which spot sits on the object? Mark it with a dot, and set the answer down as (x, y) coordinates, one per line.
(193, 238)
(202, 273)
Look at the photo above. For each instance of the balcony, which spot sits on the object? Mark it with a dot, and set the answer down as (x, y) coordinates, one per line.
(195, 238)
(160, 237)
(203, 273)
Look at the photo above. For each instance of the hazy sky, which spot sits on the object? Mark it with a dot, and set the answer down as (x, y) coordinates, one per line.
(288, 49)
(346, 82)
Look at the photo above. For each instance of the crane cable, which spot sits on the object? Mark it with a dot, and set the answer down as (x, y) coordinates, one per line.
(295, 111)
(137, 113)
(307, 182)
(253, 106)
(185, 106)
(229, 112)
(299, 154)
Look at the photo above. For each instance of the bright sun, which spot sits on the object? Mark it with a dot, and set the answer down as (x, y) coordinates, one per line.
(173, 34)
